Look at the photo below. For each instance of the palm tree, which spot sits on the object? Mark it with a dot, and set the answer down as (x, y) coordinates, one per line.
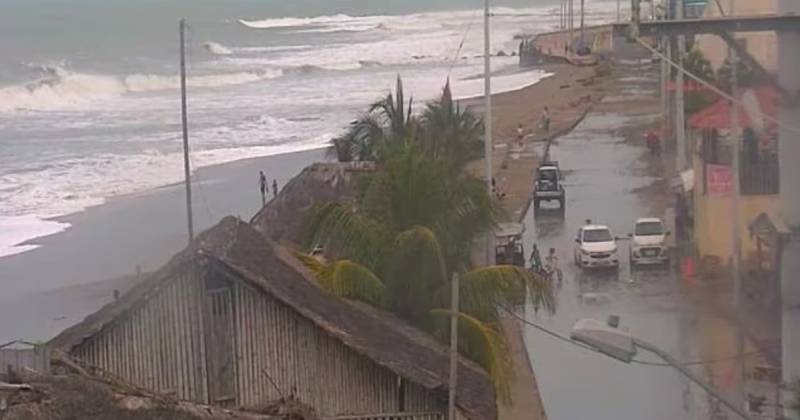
(386, 126)
(401, 240)
(450, 133)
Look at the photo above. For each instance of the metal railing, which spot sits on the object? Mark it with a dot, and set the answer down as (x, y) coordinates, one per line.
(427, 415)
(759, 177)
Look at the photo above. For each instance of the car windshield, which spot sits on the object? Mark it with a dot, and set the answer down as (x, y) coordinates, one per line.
(649, 229)
(597, 235)
(548, 174)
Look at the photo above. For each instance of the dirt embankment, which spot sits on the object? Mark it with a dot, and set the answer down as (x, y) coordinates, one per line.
(80, 397)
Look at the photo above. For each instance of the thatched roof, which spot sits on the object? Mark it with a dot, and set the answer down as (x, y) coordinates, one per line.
(320, 183)
(235, 248)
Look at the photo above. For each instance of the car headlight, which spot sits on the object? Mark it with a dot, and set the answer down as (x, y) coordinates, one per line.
(585, 252)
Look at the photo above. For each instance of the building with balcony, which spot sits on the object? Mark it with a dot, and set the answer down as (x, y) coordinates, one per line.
(758, 176)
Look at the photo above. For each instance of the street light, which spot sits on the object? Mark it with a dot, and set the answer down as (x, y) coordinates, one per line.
(622, 346)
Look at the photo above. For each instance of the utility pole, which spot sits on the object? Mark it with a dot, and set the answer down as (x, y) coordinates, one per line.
(665, 78)
(571, 24)
(680, 123)
(736, 242)
(619, 18)
(488, 145)
(451, 399)
(789, 147)
(186, 167)
(581, 44)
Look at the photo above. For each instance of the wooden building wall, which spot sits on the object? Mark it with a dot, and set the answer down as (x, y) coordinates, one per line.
(158, 345)
(170, 344)
(275, 343)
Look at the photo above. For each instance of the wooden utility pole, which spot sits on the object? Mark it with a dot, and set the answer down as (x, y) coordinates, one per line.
(680, 115)
(185, 124)
(582, 30)
(736, 239)
(451, 399)
(789, 147)
(488, 145)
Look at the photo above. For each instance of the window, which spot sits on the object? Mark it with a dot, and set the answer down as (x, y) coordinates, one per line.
(649, 229)
(597, 235)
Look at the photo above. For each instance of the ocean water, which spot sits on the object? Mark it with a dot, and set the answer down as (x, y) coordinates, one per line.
(89, 100)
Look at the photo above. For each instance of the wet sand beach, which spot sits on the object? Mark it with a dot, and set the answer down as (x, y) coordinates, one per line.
(110, 240)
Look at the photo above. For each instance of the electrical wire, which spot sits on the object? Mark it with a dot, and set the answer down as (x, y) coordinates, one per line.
(201, 193)
(634, 361)
(461, 44)
(714, 88)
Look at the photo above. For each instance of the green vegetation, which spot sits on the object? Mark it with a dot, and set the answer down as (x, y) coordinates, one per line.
(696, 63)
(414, 224)
(746, 76)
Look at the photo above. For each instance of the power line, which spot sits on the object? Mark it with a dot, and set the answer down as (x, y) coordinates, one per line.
(191, 42)
(461, 44)
(716, 89)
(635, 361)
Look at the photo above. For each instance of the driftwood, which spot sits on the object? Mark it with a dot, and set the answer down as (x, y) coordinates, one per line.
(14, 387)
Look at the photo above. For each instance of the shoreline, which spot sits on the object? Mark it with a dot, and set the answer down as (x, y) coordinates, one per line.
(108, 241)
(144, 228)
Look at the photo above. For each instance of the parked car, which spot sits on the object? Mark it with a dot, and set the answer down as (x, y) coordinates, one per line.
(548, 185)
(595, 247)
(648, 242)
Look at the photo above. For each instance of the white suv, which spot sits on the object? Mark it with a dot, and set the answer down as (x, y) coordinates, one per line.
(648, 242)
(596, 246)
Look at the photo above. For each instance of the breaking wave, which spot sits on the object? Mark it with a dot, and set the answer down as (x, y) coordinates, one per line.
(61, 88)
(217, 49)
(289, 22)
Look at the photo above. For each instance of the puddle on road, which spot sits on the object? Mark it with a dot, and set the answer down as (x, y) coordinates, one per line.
(603, 173)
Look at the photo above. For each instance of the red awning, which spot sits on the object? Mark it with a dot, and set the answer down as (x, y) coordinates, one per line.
(718, 116)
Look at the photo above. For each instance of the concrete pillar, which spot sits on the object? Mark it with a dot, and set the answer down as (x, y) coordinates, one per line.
(789, 152)
(680, 116)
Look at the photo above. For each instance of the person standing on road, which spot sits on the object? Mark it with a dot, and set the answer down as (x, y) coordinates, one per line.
(274, 187)
(546, 120)
(262, 183)
(520, 136)
(551, 265)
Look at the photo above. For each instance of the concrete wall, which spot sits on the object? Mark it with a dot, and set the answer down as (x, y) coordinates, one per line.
(761, 45)
(713, 224)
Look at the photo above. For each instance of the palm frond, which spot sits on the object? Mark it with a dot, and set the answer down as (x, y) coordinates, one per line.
(347, 231)
(350, 280)
(483, 289)
(484, 344)
(414, 272)
(347, 279)
(313, 264)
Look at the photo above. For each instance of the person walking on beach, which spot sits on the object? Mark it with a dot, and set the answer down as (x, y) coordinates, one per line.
(546, 119)
(262, 183)
(274, 187)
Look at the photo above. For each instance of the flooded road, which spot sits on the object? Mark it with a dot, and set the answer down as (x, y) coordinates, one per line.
(604, 177)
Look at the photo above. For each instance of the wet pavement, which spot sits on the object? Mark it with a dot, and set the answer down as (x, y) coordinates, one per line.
(605, 177)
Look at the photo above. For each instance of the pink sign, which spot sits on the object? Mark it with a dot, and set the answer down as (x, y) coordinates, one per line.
(718, 179)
